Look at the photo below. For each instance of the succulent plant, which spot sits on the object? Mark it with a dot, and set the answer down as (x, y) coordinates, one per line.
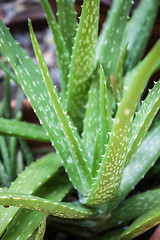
(104, 136)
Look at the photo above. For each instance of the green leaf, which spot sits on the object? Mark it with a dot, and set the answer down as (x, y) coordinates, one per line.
(41, 230)
(9, 73)
(59, 209)
(105, 115)
(140, 164)
(83, 179)
(91, 119)
(138, 30)
(26, 151)
(26, 221)
(5, 156)
(22, 129)
(60, 47)
(133, 207)
(82, 61)
(41, 102)
(41, 171)
(142, 224)
(67, 20)
(143, 120)
(109, 176)
(110, 50)
(4, 181)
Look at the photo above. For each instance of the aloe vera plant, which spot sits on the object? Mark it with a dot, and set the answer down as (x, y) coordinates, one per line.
(104, 136)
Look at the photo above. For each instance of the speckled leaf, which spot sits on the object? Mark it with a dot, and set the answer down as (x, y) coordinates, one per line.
(67, 21)
(41, 171)
(22, 129)
(76, 148)
(82, 61)
(105, 125)
(54, 190)
(141, 162)
(105, 26)
(91, 119)
(60, 46)
(138, 30)
(133, 207)
(142, 224)
(41, 102)
(143, 120)
(105, 115)
(110, 172)
(111, 47)
(59, 209)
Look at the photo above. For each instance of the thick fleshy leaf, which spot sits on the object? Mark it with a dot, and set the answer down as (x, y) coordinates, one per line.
(140, 164)
(91, 119)
(143, 120)
(105, 115)
(67, 21)
(41, 230)
(59, 209)
(138, 30)
(110, 50)
(73, 140)
(110, 172)
(133, 207)
(60, 47)
(22, 129)
(41, 102)
(41, 171)
(53, 190)
(82, 61)
(142, 224)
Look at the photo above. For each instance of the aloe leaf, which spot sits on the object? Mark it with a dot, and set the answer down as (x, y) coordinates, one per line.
(143, 120)
(5, 156)
(104, 126)
(4, 180)
(141, 162)
(67, 21)
(91, 119)
(142, 224)
(41, 171)
(105, 26)
(71, 135)
(82, 61)
(22, 129)
(105, 115)
(120, 78)
(109, 176)
(133, 207)
(41, 230)
(9, 73)
(13, 150)
(137, 35)
(41, 102)
(54, 190)
(60, 47)
(59, 209)
(110, 51)
(26, 151)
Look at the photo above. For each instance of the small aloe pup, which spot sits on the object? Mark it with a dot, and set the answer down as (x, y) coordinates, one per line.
(104, 136)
